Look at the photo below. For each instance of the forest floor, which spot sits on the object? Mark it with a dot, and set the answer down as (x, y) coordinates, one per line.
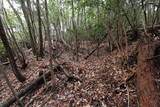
(105, 83)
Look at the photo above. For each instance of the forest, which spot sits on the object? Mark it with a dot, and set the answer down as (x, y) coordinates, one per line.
(79, 53)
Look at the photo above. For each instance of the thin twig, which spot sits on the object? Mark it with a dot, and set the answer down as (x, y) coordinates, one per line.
(128, 96)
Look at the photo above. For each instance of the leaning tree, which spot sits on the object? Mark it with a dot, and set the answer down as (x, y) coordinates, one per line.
(5, 42)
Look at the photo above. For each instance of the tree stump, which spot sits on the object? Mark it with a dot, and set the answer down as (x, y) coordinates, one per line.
(147, 90)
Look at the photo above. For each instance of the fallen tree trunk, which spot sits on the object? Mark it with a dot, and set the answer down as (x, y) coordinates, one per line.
(32, 87)
(147, 90)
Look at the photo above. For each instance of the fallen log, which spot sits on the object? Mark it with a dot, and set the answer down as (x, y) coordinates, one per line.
(30, 88)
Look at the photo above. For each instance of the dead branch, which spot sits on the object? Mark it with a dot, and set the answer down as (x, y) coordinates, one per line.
(97, 47)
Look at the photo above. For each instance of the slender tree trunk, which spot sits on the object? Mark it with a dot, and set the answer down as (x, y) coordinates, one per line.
(50, 45)
(85, 18)
(18, 17)
(98, 18)
(156, 16)
(75, 30)
(31, 17)
(20, 53)
(144, 12)
(33, 44)
(40, 30)
(59, 36)
(134, 13)
(3, 37)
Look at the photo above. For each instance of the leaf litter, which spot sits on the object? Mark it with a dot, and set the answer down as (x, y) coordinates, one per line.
(103, 83)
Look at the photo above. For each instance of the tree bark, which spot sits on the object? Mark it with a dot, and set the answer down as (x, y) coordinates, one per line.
(40, 30)
(18, 17)
(75, 31)
(31, 17)
(147, 90)
(20, 53)
(50, 46)
(3, 37)
(33, 44)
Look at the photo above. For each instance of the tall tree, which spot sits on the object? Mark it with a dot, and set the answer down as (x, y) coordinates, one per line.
(20, 53)
(4, 39)
(18, 16)
(40, 29)
(29, 25)
(50, 45)
(75, 29)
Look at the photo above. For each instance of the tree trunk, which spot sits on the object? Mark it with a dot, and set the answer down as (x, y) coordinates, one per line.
(18, 17)
(75, 31)
(33, 44)
(3, 37)
(20, 53)
(50, 46)
(147, 90)
(40, 30)
(31, 17)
